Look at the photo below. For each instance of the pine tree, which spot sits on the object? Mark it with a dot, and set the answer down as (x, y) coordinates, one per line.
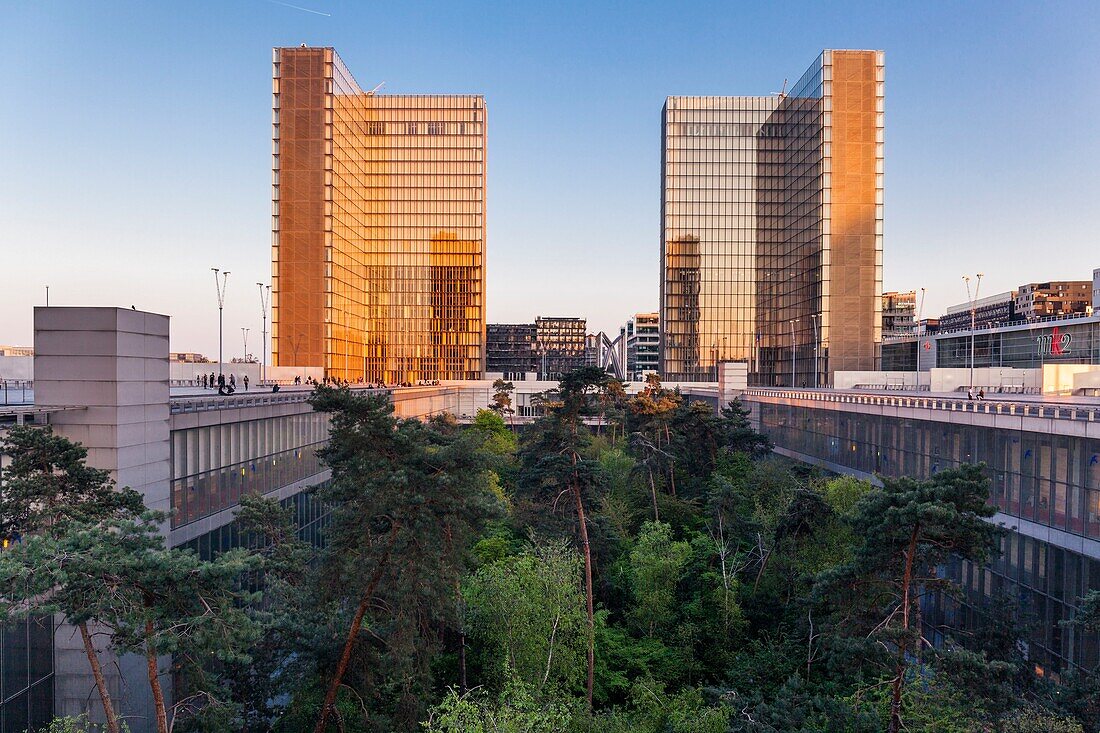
(907, 529)
(48, 487)
(410, 499)
(556, 466)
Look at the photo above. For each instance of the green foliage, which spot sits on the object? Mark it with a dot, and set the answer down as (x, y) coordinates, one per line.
(526, 613)
(730, 590)
(498, 438)
(514, 710)
(656, 563)
(77, 724)
(48, 484)
(843, 493)
(1036, 720)
(410, 501)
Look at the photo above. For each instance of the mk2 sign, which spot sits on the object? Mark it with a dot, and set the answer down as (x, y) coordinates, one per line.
(1054, 343)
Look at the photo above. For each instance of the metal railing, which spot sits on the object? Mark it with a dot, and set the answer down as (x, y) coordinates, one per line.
(1054, 411)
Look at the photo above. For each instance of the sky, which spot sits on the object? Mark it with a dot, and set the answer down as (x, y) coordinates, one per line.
(135, 147)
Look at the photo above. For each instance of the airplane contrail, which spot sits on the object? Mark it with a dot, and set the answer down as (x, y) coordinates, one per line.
(299, 7)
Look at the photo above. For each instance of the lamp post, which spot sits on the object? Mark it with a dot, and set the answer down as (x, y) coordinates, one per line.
(916, 330)
(265, 298)
(973, 320)
(220, 285)
(244, 335)
(817, 366)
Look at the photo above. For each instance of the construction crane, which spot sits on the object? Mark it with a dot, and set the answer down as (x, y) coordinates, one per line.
(782, 93)
(372, 92)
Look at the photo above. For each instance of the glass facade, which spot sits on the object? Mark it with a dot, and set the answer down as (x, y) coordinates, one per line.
(560, 345)
(26, 675)
(378, 229)
(1046, 478)
(771, 243)
(214, 464)
(1024, 347)
(309, 515)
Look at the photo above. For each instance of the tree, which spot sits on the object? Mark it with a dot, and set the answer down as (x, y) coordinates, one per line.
(556, 466)
(153, 601)
(737, 435)
(48, 484)
(290, 622)
(502, 398)
(906, 530)
(498, 439)
(515, 710)
(656, 563)
(410, 499)
(527, 613)
(48, 487)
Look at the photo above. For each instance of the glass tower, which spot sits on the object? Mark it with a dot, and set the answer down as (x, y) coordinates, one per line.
(378, 226)
(771, 241)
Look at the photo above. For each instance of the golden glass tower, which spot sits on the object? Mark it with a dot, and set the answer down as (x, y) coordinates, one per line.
(771, 241)
(378, 226)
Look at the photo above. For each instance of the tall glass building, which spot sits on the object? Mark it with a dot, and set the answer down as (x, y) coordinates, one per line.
(378, 226)
(771, 239)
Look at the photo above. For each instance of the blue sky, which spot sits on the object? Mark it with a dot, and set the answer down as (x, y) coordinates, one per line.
(135, 139)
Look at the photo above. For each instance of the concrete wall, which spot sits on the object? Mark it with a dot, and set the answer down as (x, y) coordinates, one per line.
(851, 380)
(19, 368)
(733, 378)
(956, 379)
(113, 363)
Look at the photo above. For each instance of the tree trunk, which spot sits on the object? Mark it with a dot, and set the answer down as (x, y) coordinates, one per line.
(587, 585)
(653, 491)
(353, 633)
(461, 636)
(154, 678)
(100, 682)
(903, 644)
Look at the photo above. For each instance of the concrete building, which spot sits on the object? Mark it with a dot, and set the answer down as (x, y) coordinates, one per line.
(560, 345)
(643, 345)
(899, 312)
(510, 350)
(989, 311)
(1043, 300)
(771, 235)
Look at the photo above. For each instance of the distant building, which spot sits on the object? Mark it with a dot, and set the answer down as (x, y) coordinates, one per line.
(592, 349)
(643, 345)
(188, 357)
(16, 350)
(560, 345)
(988, 311)
(1096, 291)
(510, 349)
(898, 314)
(1040, 300)
(549, 347)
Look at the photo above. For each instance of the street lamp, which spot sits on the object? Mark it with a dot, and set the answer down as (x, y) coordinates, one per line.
(973, 319)
(265, 298)
(220, 285)
(244, 335)
(916, 330)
